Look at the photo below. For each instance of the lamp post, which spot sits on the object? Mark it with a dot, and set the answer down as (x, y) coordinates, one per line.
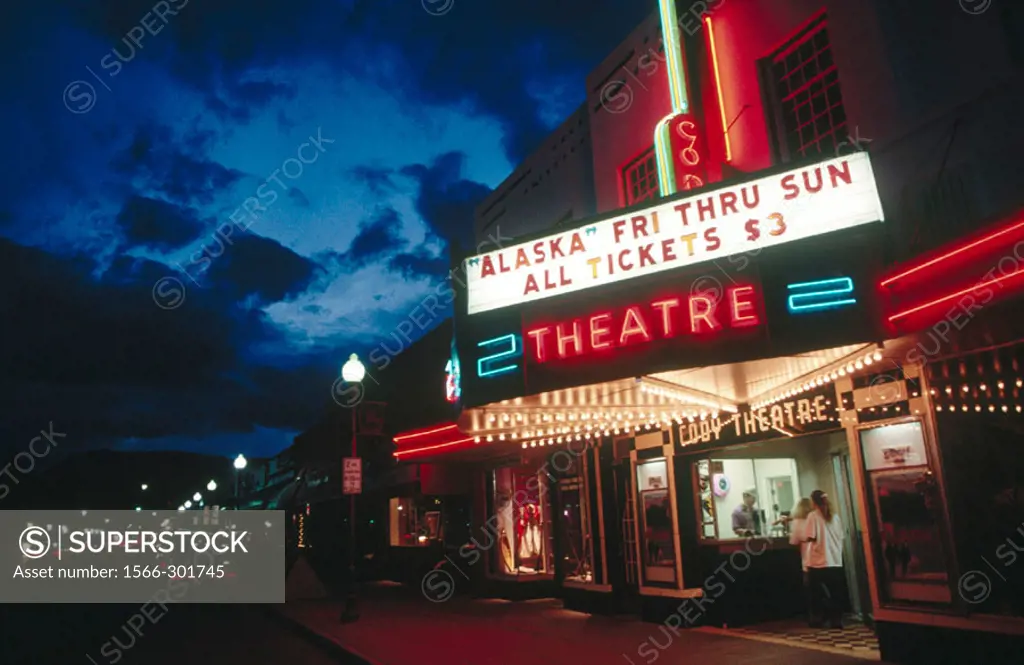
(352, 371)
(240, 463)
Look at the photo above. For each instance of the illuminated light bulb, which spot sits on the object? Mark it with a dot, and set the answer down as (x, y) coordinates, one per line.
(938, 407)
(983, 387)
(841, 371)
(949, 390)
(490, 438)
(1020, 383)
(476, 439)
(524, 444)
(588, 436)
(533, 444)
(1005, 409)
(868, 360)
(501, 437)
(504, 417)
(977, 407)
(559, 439)
(932, 391)
(991, 408)
(877, 355)
(858, 365)
(966, 389)
(834, 375)
(1000, 385)
(965, 408)
(1018, 408)
(849, 368)
(519, 417)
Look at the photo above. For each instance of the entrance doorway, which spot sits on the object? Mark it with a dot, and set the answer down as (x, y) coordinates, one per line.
(623, 568)
(856, 569)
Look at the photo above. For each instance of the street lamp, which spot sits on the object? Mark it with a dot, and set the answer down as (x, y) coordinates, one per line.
(197, 497)
(145, 487)
(188, 504)
(212, 485)
(181, 508)
(138, 508)
(352, 371)
(240, 463)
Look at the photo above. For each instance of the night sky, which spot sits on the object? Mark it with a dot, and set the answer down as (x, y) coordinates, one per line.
(134, 130)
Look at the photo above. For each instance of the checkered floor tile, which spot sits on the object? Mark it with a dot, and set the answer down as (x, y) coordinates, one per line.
(854, 637)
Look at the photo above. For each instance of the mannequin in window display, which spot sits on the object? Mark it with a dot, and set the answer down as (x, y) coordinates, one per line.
(505, 526)
(530, 540)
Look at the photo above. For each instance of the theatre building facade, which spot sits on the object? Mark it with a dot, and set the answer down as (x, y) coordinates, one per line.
(741, 308)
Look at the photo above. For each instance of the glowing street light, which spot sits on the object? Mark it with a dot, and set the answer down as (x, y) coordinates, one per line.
(188, 504)
(197, 497)
(211, 486)
(145, 487)
(353, 370)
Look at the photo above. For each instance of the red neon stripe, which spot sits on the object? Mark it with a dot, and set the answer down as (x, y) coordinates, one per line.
(954, 295)
(425, 432)
(718, 87)
(954, 252)
(399, 453)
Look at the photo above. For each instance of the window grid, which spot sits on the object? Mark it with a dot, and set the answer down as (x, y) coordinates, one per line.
(806, 85)
(640, 178)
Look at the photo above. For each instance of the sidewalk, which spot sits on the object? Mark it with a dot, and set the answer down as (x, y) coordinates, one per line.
(400, 627)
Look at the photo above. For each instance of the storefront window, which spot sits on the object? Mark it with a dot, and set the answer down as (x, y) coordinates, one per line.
(984, 471)
(414, 523)
(657, 544)
(907, 511)
(575, 525)
(745, 497)
(523, 521)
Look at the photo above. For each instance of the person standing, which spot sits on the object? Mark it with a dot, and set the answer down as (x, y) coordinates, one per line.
(746, 521)
(797, 524)
(824, 533)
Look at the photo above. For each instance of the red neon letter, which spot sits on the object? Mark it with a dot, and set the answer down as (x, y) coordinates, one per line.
(743, 311)
(666, 316)
(538, 336)
(597, 331)
(702, 309)
(637, 327)
(564, 340)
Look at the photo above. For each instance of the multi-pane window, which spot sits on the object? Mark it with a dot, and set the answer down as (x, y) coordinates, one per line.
(804, 85)
(640, 178)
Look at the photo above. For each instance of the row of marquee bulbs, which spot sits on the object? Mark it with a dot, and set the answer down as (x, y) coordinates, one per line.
(554, 435)
(822, 379)
(982, 387)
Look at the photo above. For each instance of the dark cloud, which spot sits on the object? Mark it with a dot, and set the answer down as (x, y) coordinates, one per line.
(487, 53)
(376, 179)
(377, 238)
(297, 197)
(256, 266)
(446, 201)
(172, 165)
(103, 362)
(153, 224)
(419, 264)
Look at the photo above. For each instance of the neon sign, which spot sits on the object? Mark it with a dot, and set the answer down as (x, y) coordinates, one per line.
(492, 365)
(452, 381)
(820, 295)
(665, 318)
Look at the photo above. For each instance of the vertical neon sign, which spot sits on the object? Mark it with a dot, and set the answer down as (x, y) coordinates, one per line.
(677, 145)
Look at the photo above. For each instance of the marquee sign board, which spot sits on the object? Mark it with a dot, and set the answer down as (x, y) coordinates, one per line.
(802, 203)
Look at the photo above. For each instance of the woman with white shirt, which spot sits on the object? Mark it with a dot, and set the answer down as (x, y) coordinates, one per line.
(797, 536)
(824, 533)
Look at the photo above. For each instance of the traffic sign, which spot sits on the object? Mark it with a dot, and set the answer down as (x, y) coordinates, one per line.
(352, 476)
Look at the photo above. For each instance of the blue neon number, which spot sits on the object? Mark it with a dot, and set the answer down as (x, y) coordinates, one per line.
(489, 365)
(819, 295)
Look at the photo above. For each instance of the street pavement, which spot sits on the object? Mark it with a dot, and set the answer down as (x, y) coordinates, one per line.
(127, 635)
